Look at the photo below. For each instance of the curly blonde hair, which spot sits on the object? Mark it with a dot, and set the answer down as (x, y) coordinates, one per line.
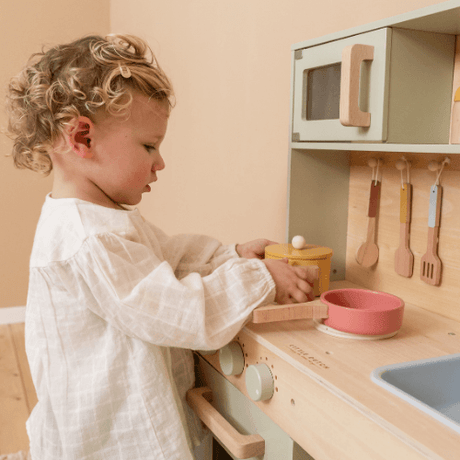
(77, 79)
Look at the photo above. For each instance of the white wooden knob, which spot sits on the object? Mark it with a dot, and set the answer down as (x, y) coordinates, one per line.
(298, 242)
(231, 359)
(259, 382)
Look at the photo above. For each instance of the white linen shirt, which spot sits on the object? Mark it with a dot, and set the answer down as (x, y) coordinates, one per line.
(109, 295)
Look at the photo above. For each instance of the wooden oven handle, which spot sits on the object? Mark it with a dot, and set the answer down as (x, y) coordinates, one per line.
(239, 445)
(352, 57)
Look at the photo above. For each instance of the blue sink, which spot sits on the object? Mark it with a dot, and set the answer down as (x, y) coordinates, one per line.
(432, 385)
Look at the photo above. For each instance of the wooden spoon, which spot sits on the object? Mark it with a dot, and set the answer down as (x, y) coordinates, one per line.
(368, 253)
(404, 259)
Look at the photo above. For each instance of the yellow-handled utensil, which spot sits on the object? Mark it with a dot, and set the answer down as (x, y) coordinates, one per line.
(404, 259)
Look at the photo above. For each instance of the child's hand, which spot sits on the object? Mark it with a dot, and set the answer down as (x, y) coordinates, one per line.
(293, 283)
(254, 249)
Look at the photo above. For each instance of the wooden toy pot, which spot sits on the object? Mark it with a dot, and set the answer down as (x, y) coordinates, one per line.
(309, 255)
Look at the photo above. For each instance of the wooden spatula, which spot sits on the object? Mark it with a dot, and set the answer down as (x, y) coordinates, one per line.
(368, 253)
(430, 266)
(404, 259)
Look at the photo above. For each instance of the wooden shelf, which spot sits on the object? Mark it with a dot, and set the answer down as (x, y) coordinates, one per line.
(381, 147)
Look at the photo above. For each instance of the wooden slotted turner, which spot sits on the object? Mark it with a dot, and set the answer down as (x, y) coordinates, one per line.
(404, 259)
(430, 267)
(368, 253)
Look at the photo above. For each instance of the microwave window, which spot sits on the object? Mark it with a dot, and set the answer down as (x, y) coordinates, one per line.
(322, 92)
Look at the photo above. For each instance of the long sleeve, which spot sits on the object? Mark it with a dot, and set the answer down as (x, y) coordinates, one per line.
(136, 292)
(188, 253)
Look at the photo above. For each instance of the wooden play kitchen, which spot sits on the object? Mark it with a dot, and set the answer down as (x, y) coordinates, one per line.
(319, 389)
(374, 175)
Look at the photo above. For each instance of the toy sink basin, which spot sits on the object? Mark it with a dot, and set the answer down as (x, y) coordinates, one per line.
(432, 385)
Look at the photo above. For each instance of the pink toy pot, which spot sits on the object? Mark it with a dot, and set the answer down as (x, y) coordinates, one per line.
(359, 311)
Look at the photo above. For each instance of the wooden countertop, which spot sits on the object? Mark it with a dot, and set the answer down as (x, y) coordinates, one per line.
(325, 399)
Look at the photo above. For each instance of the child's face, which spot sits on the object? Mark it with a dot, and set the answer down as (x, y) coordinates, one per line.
(126, 151)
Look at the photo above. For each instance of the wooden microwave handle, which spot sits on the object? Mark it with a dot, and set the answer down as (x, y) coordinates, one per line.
(352, 57)
(239, 445)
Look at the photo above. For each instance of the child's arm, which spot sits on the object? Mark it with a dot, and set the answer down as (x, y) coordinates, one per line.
(188, 253)
(253, 249)
(134, 290)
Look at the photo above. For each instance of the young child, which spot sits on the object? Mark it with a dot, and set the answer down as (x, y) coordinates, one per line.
(115, 306)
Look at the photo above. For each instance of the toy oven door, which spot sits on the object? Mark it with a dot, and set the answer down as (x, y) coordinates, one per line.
(244, 416)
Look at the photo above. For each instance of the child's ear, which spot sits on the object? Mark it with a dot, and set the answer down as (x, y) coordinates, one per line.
(79, 137)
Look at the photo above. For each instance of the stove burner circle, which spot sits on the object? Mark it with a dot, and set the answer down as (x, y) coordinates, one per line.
(348, 335)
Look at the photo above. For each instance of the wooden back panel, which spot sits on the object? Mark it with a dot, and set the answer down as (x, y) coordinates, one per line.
(443, 299)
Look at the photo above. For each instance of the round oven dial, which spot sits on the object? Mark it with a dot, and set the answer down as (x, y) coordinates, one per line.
(259, 382)
(231, 359)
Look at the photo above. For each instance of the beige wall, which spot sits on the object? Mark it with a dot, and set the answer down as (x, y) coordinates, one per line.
(227, 146)
(226, 151)
(24, 27)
